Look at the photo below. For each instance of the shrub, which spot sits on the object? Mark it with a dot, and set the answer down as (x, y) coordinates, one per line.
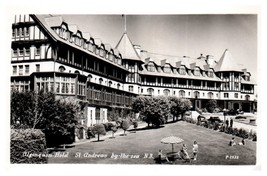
(90, 133)
(27, 146)
(235, 132)
(222, 128)
(125, 125)
(216, 125)
(243, 133)
(211, 105)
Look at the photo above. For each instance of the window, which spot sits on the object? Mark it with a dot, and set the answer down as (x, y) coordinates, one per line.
(247, 97)
(27, 69)
(150, 91)
(236, 95)
(210, 95)
(118, 86)
(26, 31)
(15, 53)
(226, 95)
(13, 33)
(100, 80)
(210, 73)
(37, 67)
(151, 67)
(61, 69)
(14, 70)
(236, 85)
(110, 83)
(27, 51)
(37, 51)
(20, 69)
(196, 72)
(196, 94)
(130, 88)
(21, 52)
(166, 92)
(131, 77)
(167, 68)
(182, 93)
(182, 71)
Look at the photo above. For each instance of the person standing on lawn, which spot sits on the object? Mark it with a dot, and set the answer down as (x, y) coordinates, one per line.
(227, 122)
(231, 122)
(195, 150)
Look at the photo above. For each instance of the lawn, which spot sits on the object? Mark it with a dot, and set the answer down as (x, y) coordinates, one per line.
(133, 148)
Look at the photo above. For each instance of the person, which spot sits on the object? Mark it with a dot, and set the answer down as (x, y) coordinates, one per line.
(195, 150)
(227, 122)
(242, 142)
(162, 157)
(232, 142)
(231, 123)
(184, 152)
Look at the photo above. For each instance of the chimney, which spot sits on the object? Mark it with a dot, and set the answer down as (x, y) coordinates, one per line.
(210, 60)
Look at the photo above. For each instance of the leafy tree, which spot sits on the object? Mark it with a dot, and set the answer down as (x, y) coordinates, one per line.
(125, 125)
(114, 129)
(211, 105)
(99, 129)
(135, 125)
(184, 105)
(57, 118)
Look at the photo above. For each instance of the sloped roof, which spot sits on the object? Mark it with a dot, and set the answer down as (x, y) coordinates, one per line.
(87, 35)
(73, 28)
(227, 63)
(98, 42)
(54, 21)
(126, 48)
(41, 20)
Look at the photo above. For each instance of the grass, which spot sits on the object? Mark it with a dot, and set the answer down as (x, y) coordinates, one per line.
(213, 147)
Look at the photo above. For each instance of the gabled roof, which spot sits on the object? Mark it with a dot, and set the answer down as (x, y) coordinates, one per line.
(227, 63)
(98, 42)
(73, 28)
(126, 48)
(87, 36)
(54, 21)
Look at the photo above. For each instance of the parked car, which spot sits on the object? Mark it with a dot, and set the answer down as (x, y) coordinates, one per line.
(212, 120)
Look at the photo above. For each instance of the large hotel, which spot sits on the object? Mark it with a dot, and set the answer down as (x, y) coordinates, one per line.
(50, 54)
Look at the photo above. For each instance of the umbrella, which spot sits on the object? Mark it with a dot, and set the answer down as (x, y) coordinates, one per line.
(171, 140)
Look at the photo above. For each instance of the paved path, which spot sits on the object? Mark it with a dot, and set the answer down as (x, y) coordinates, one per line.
(108, 135)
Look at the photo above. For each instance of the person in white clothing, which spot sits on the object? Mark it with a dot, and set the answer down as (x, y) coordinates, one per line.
(195, 150)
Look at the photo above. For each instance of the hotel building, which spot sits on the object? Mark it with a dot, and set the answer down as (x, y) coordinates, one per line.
(50, 54)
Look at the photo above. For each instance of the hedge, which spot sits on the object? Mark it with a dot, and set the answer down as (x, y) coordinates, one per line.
(27, 146)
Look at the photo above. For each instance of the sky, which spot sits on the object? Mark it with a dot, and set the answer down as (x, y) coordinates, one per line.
(179, 35)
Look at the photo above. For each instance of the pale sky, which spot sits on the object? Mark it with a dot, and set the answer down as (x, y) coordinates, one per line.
(180, 35)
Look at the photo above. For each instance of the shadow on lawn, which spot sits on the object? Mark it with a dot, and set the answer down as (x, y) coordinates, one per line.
(99, 141)
(145, 128)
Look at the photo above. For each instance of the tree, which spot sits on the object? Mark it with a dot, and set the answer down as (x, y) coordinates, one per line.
(183, 106)
(57, 118)
(99, 129)
(211, 105)
(135, 125)
(125, 125)
(114, 129)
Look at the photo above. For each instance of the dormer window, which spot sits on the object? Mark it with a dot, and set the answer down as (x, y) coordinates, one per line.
(151, 67)
(196, 72)
(210, 73)
(182, 70)
(167, 68)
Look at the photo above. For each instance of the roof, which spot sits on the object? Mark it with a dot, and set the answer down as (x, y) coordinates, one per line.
(126, 48)
(73, 28)
(54, 21)
(87, 36)
(227, 63)
(41, 19)
(174, 61)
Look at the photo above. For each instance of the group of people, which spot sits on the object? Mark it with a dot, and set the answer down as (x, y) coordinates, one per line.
(231, 122)
(183, 153)
(232, 142)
